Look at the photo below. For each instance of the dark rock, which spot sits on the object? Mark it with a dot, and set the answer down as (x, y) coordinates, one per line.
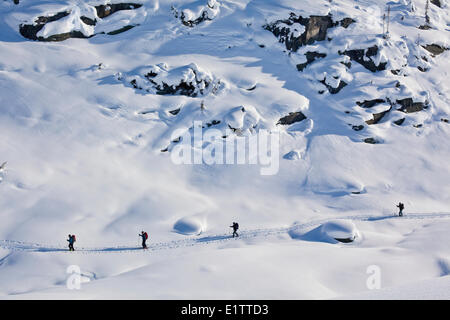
(418, 125)
(409, 106)
(16, 1)
(364, 57)
(436, 3)
(332, 90)
(347, 64)
(346, 22)
(310, 58)
(444, 120)
(191, 23)
(425, 27)
(370, 103)
(399, 122)
(175, 111)
(370, 140)
(293, 117)
(212, 123)
(377, 117)
(30, 31)
(183, 88)
(123, 29)
(346, 240)
(358, 128)
(395, 72)
(88, 21)
(134, 84)
(434, 49)
(238, 131)
(105, 10)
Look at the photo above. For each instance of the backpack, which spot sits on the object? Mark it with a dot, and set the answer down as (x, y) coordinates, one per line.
(145, 235)
(73, 238)
(236, 225)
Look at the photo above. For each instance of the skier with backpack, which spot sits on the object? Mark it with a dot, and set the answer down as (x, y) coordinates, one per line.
(235, 227)
(400, 206)
(71, 241)
(144, 236)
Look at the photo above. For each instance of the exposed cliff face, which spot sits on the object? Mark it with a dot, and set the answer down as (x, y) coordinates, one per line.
(315, 29)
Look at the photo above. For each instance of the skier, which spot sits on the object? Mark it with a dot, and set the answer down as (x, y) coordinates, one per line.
(235, 227)
(144, 236)
(400, 206)
(71, 241)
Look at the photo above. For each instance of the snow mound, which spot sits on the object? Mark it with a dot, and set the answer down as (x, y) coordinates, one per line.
(340, 230)
(188, 80)
(195, 13)
(191, 225)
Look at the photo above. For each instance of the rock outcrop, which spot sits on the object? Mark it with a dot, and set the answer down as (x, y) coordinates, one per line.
(31, 31)
(291, 118)
(191, 16)
(334, 89)
(377, 117)
(187, 80)
(370, 103)
(409, 106)
(297, 31)
(434, 49)
(365, 58)
(310, 58)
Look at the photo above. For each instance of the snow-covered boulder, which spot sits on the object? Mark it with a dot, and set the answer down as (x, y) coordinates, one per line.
(188, 80)
(195, 13)
(333, 231)
(340, 230)
(83, 21)
(191, 225)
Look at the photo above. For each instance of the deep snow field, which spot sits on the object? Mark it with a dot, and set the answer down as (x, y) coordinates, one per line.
(94, 96)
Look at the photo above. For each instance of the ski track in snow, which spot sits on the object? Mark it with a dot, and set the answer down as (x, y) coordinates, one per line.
(14, 245)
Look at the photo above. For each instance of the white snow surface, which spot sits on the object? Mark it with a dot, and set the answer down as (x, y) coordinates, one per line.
(83, 151)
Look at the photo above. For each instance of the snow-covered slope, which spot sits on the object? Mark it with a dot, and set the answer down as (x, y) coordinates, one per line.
(97, 96)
